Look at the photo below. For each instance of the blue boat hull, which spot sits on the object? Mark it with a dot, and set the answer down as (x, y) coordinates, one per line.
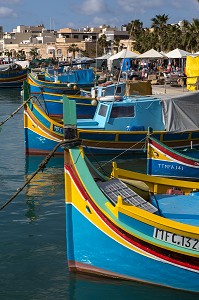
(57, 90)
(167, 162)
(112, 231)
(92, 251)
(83, 111)
(13, 79)
(41, 144)
(38, 86)
(172, 169)
(54, 105)
(14, 84)
(36, 144)
(96, 141)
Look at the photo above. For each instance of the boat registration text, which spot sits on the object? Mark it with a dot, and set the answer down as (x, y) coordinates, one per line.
(175, 239)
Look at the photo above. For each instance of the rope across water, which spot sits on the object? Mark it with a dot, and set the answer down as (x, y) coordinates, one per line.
(41, 167)
(16, 111)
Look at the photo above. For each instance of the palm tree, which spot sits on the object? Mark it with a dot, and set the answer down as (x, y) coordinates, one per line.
(83, 52)
(134, 28)
(121, 47)
(116, 44)
(172, 38)
(165, 37)
(8, 54)
(33, 52)
(103, 42)
(73, 48)
(159, 23)
(194, 34)
(21, 54)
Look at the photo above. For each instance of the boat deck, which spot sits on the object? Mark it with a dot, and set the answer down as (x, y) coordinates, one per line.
(115, 187)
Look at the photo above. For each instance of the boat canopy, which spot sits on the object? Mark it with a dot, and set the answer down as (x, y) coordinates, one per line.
(10, 67)
(84, 76)
(180, 113)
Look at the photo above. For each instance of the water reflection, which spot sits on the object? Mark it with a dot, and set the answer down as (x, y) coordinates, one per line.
(89, 287)
(11, 95)
(44, 186)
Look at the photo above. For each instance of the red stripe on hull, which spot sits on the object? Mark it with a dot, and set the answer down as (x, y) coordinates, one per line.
(173, 155)
(148, 248)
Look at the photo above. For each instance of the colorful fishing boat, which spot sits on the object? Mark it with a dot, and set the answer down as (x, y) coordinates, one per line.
(112, 231)
(53, 103)
(165, 161)
(12, 75)
(118, 128)
(83, 78)
(70, 88)
(108, 91)
(86, 101)
(144, 183)
(37, 86)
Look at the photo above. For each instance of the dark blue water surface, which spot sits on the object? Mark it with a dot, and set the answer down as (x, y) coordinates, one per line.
(33, 263)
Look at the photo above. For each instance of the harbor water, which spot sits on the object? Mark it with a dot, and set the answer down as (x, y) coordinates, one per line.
(33, 262)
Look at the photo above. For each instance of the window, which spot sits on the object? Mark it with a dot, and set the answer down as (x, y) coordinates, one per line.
(122, 111)
(75, 36)
(103, 110)
(118, 89)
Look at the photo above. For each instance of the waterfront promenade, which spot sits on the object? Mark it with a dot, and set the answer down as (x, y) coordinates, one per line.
(169, 90)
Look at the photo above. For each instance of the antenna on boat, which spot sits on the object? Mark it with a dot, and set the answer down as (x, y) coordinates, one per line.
(121, 64)
(95, 81)
(118, 79)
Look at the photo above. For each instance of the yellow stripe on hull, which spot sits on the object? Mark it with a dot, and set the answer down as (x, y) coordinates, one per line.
(140, 215)
(84, 207)
(31, 125)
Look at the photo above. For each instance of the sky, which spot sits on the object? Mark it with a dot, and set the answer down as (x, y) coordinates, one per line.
(76, 14)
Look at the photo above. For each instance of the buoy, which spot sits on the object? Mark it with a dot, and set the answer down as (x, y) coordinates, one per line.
(94, 102)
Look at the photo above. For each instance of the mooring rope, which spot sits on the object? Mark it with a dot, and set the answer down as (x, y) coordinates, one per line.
(41, 167)
(117, 156)
(16, 111)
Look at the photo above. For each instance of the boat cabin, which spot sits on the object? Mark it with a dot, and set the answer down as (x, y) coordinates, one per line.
(108, 90)
(135, 113)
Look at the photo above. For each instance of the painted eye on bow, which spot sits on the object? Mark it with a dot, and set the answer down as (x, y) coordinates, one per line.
(155, 154)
